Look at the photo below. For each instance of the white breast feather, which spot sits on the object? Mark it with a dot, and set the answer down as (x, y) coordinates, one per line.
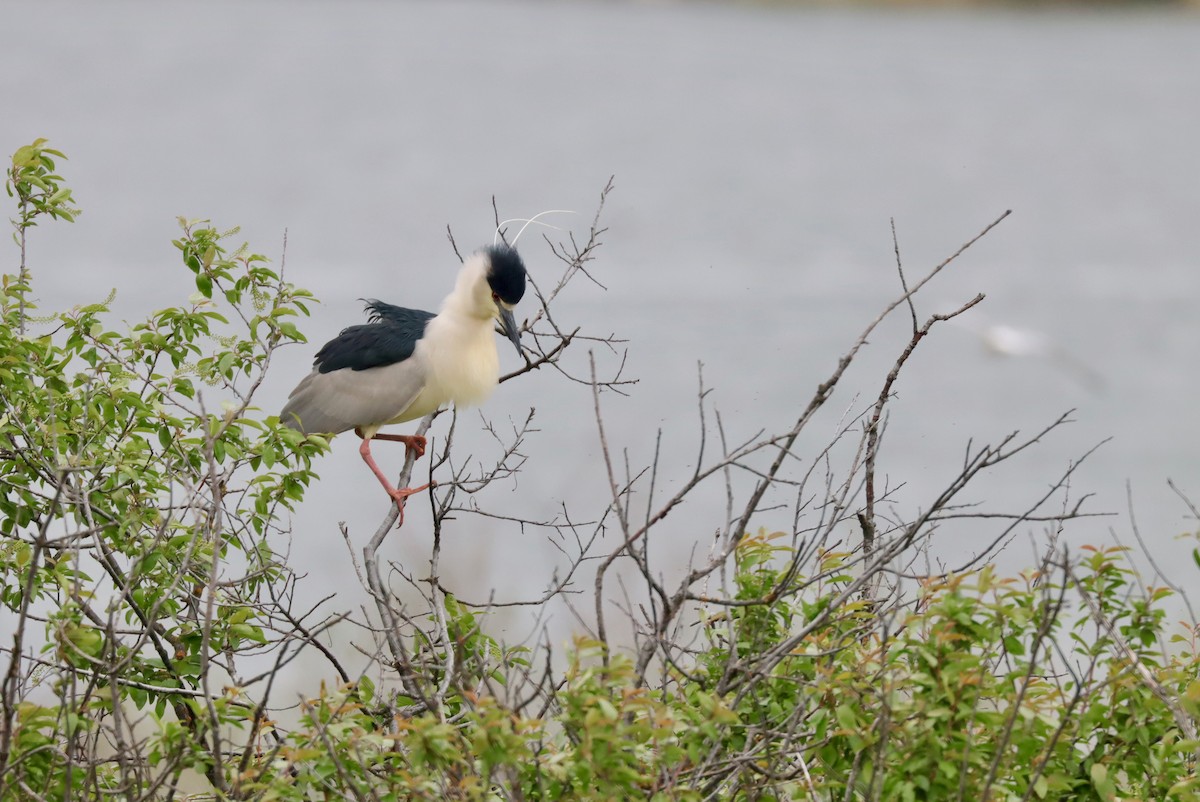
(460, 353)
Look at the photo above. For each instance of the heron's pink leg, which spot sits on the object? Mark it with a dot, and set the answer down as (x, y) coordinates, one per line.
(398, 495)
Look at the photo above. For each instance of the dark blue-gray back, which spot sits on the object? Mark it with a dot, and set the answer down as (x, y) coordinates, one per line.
(389, 337)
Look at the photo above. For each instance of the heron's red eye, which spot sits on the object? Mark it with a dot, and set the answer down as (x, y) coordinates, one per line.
(496, 298)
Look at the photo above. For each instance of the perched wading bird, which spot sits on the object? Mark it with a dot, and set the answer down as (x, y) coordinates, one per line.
(405, 363)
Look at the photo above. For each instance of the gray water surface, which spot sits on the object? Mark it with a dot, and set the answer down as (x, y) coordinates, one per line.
(759, 155)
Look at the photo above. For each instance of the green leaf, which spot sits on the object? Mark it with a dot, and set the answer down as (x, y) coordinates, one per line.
(249, 632)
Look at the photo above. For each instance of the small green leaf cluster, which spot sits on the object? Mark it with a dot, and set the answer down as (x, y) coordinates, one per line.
(602, 736)
(33, 182)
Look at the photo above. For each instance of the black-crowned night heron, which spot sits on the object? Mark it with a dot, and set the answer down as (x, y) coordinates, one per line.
(405, 363)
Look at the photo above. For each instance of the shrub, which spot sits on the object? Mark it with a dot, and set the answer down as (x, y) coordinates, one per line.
(143, 502)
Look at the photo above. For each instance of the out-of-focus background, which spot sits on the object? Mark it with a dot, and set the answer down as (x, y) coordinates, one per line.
(759, 153)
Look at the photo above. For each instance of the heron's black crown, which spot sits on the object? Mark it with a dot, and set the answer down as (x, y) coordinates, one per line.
(506, 273)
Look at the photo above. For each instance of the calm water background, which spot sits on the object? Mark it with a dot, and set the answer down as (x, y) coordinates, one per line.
(759, 154)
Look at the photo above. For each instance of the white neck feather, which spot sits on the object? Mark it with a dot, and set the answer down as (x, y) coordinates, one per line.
(459, 347)
(472, 296)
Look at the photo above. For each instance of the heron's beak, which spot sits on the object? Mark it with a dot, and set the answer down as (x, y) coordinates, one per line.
(508, 325)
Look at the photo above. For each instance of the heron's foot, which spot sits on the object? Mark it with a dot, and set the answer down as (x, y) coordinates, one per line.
(400, 496)
(412, 442)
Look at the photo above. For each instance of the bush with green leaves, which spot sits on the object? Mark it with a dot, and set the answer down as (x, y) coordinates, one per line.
(149, 609)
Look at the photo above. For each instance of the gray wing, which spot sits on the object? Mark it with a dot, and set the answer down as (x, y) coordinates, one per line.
(328, 403)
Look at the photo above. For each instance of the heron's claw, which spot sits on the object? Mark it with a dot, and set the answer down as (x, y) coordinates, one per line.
(401, 494)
